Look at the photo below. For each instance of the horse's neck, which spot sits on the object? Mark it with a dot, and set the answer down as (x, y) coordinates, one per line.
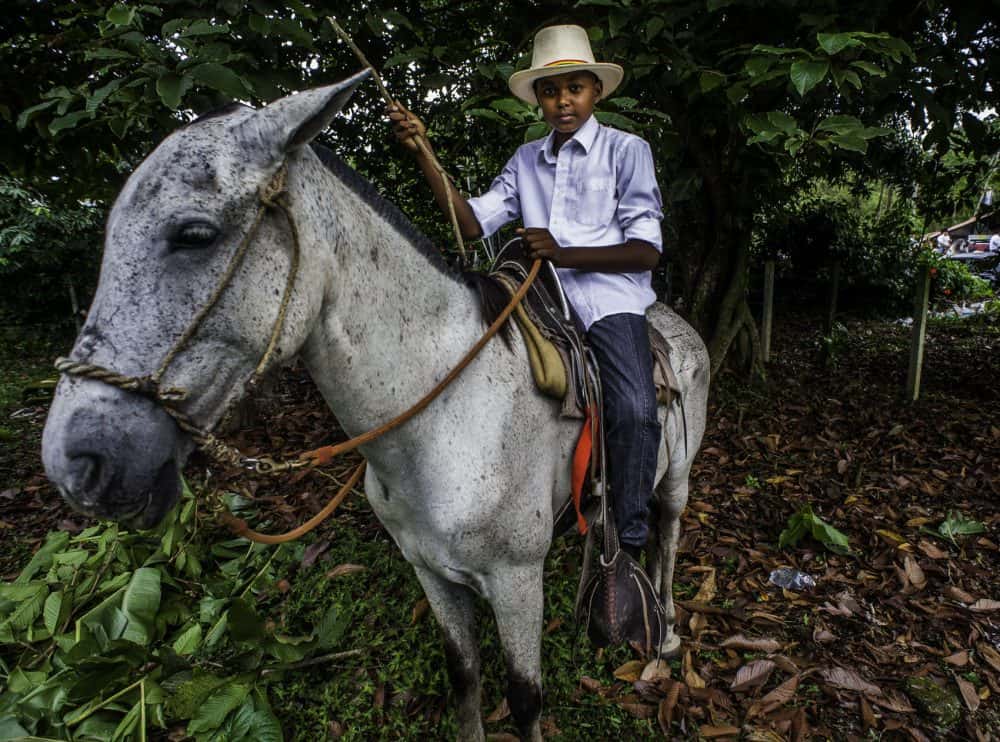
(392, 324)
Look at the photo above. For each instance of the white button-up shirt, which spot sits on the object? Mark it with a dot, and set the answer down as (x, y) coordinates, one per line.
(600, 189)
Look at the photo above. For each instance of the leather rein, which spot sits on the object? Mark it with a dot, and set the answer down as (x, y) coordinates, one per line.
(273, 196)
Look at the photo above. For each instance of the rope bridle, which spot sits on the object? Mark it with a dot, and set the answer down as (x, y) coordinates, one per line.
(272, 196)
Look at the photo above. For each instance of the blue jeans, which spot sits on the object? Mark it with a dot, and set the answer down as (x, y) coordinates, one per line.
(631, 428)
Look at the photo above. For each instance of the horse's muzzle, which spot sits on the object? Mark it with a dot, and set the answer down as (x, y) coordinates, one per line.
(112, 454)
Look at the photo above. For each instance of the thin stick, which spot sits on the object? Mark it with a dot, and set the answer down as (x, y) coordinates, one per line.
(423, 146)
(314, 661)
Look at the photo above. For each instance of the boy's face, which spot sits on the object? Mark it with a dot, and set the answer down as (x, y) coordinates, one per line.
(567, 100)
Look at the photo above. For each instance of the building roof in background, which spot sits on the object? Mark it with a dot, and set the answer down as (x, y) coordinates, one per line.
(962, 226)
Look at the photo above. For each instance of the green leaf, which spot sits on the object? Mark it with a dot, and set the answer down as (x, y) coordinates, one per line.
(52, 611)
(330, 630)
(29, 608)
(485, 113)
(171, 88)
(511, 106)
(710, 80)
(807, 75)
(851, 142)
(807, 522)
(957, 524)
(871, 69)
(832, 43)
(536, 131)
(783, 122)
(140, 602)
(121, 15)
(100, 95)
(105, 53)
(128, 724)
(839, 124)
(221, 78)
(10, 729)
(244, 623)
(183, 703)
(55, 541)
(218, 705)
(293, 30)
(617, 120)
(188, 640)
(201, 27)
(28, 113)
(68, 121)
(653, 28)
(757, 66)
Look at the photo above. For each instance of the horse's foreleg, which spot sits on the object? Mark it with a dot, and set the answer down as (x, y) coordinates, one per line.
(672, 494)
(517, 603)
(454, 608)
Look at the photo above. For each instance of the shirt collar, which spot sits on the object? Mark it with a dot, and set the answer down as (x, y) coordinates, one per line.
(584, 136)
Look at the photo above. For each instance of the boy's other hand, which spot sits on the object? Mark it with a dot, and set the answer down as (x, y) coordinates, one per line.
(405, 126)
(540, 244)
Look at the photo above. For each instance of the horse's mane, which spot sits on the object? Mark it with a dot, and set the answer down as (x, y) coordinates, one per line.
(492, 295)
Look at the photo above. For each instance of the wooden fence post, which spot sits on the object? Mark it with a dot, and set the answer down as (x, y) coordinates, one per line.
(767, 318)
(919, 334)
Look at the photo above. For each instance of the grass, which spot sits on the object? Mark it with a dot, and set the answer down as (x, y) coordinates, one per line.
(398, 688)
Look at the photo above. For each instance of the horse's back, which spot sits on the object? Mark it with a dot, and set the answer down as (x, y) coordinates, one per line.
(688, 354)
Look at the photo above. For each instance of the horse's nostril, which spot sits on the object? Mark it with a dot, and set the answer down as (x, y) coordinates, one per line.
(85, 475)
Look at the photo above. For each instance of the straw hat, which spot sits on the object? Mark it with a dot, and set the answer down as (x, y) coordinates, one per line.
(558, 50)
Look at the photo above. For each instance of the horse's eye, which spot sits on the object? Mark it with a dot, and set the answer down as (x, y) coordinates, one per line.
(194, 235)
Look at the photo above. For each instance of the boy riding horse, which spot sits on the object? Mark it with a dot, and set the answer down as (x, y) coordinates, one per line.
(589, 202)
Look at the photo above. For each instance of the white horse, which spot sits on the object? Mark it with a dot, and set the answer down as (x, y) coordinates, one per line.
(467, 488)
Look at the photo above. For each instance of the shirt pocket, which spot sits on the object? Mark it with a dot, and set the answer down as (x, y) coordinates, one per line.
(596, 202)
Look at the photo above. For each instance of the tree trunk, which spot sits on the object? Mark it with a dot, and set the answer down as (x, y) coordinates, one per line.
(715, 276)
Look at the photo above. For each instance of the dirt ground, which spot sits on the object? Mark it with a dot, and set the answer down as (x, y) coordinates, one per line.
(899, 637)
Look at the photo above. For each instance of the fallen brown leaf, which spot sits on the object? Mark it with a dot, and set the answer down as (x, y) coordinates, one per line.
(710, 731)
(655, 670)
(840, 677)
(914, 574)
(867, 714)
(985, 605)
(419, 610)
(968, 691)
(775, 699)
(752, 645)
(665, 712)
(707, 591)
(752, 675)
(345, 569)
(989, 654)
(500, 712)
(630, 671)
(893, 700)
(956, 593)
(639, 710)
(931, 550)
(590, 684)
(693, 679)
(959, 659)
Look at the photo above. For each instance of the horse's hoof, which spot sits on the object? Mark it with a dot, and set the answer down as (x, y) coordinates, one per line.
(671, 647)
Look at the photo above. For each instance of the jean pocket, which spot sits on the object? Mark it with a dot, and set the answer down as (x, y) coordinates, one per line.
(595, 202)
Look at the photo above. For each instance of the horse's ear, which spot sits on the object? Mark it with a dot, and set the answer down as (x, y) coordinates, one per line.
(288, 123)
